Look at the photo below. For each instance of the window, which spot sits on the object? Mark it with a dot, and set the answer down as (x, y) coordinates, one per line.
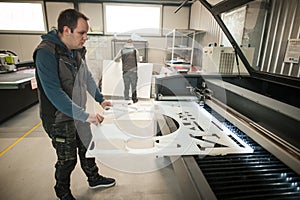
(22, 17)
(127, 19)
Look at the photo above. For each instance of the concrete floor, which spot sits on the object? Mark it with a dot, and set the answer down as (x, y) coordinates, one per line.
(27, 161)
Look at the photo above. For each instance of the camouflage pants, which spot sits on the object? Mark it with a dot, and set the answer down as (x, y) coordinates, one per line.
(66, 141)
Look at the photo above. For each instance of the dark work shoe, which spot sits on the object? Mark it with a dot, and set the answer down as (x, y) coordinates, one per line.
(102, 182)
(67, 197)
(135, 100)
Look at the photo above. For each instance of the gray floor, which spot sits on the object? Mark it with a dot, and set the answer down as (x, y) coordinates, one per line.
(27, 169)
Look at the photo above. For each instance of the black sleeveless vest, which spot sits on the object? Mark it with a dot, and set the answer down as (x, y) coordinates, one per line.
(72, 76)
(129, 61)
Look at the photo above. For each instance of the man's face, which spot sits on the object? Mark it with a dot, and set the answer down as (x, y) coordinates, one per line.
(79, 35)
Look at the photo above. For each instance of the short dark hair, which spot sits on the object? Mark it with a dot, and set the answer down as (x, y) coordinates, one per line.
(69, 17)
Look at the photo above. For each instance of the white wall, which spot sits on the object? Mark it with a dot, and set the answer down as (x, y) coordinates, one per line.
(179, 20)
(94, 12)
(53, 10)
(201, 19)
(195, 20)
(22, 45)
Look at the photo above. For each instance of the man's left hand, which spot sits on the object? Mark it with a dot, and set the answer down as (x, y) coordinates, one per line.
(105, 104)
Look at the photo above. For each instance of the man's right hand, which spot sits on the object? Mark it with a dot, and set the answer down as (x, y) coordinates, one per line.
(95, 119)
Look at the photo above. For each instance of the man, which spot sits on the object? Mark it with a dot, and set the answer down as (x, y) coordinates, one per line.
(130, 56)
(63, 78)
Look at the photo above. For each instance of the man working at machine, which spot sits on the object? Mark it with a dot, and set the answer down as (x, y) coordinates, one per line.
(63, 79)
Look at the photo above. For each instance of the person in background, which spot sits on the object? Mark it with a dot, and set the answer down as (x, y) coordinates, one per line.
(63, 79)
(130, 58)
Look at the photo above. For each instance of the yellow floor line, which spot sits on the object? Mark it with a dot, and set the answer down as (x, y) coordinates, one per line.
(19, 139)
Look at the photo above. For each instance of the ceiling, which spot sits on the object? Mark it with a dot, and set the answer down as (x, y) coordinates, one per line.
(168, 2)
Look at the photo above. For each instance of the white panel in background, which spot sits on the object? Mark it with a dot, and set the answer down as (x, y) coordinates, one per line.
(112, 80)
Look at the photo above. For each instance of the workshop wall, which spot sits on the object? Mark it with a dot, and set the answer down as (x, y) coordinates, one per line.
(283, 24)
(24, 44)
(201, 19)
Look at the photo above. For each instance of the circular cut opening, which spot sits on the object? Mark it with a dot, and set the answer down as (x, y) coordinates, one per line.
(146, 124)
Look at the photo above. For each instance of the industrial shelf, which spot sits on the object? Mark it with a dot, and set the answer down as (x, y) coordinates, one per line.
(180, 49)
